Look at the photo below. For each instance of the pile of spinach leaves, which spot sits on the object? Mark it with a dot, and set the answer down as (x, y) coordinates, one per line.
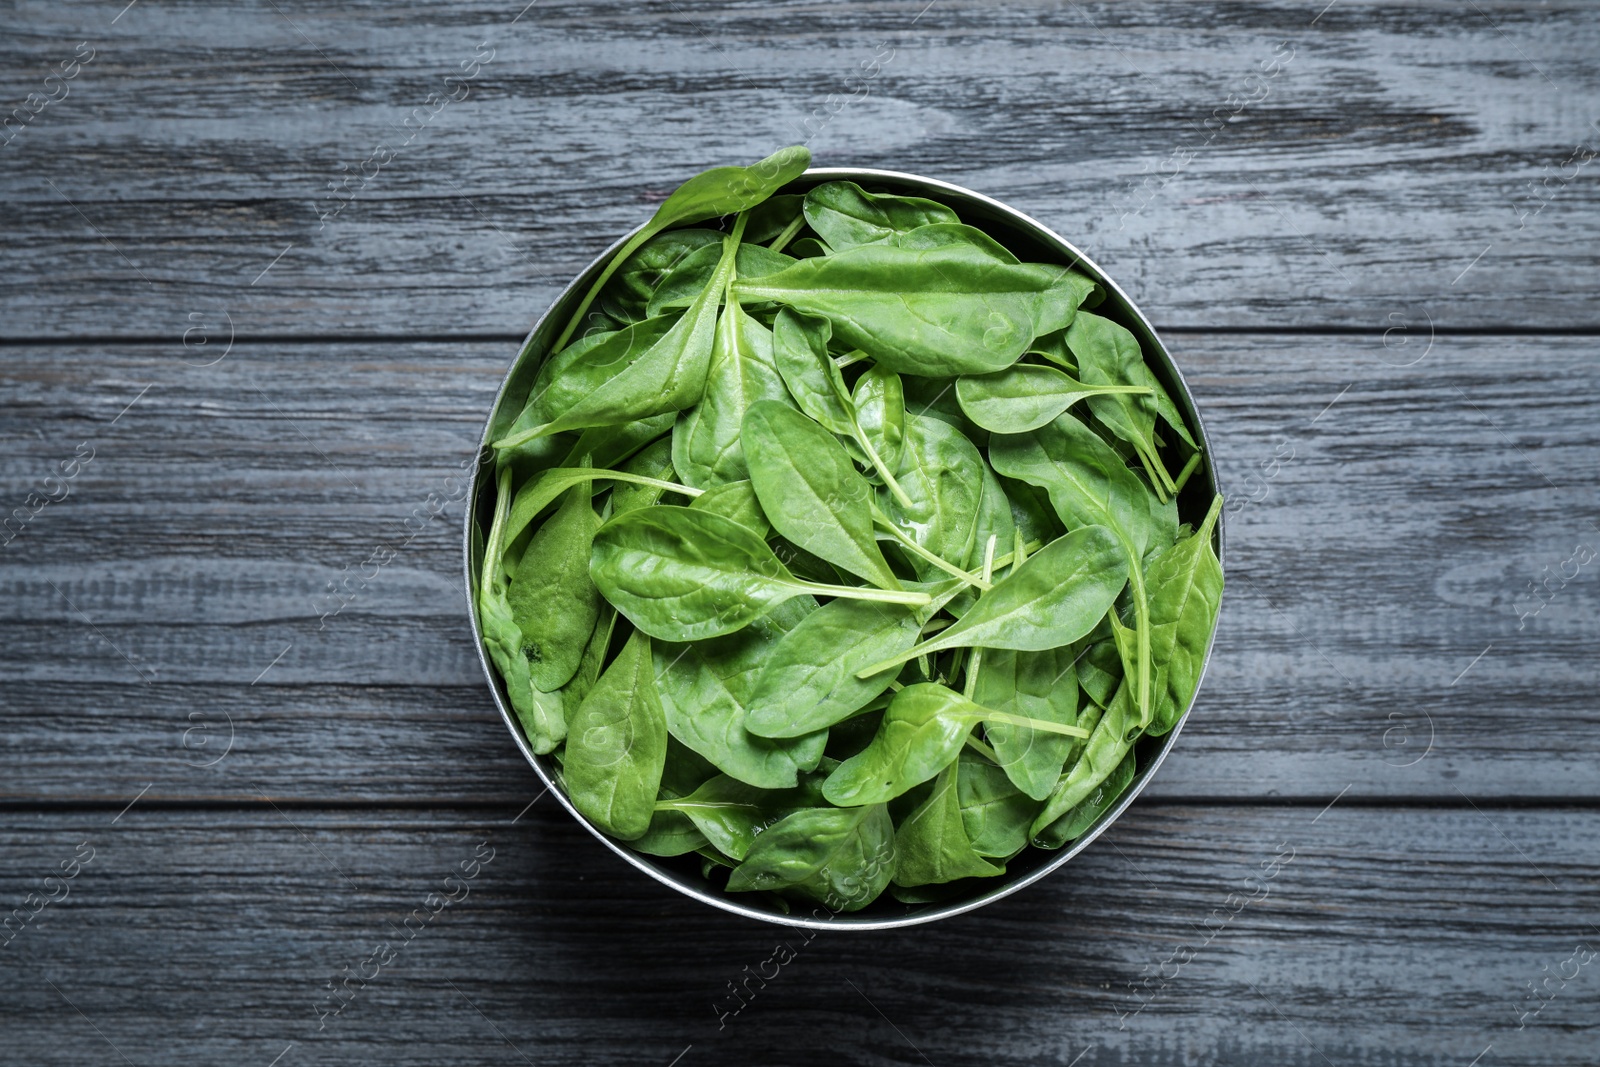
(839, 546)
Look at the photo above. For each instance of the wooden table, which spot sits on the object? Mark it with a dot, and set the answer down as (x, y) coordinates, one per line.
(266, 264)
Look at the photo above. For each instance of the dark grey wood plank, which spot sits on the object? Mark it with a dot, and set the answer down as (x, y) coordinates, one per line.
(1388, 523)
(1400, 158)
(1379, 937)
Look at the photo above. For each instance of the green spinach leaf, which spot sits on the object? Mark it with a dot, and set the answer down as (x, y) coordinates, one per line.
(618, 745)
(811, 492)
(626, 297)
(708, 195)
(551, 597)
(1185, 584)
(1055, 597)
(541, 714)
(846, 215)
(800, 349)
(1026, 396)
(932, 845)
(994, 811)
(1038, 685)
(921, 733)
(706, 690)
(737, 501)
(808, 681)
(705, 442)
(841, 857)
(1078, 819)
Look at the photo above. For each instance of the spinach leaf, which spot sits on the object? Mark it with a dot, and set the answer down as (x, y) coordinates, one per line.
(541, 714)
(1039, 685)
(705, 442)
(551, 597)
(994, 811)
(1099, 671)
(592, 660)
(731, 814)
(618, 745)
(1055, 597)
(1025, 396)
(1108, 354)
(705, 689)
(842, 857)
(685, 575)
(618, 383)
(952, 308)
(942, 475)
(1185, 584)
(845, 215)
(932, 846)
(770, 218)
(626, 297)
(808, 681)
(921, 733)
(535, 496)
(800, 349)
(567, 377)
(672, 833)
(737, 501)
(1088, 484)
(811, 492)
(993, 519)
(1078, 819)
(708, 195)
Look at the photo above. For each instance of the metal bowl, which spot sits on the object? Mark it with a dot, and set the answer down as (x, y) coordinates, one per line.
(1031, 241)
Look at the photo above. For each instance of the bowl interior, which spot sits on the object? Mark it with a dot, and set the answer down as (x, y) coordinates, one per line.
(1029, 240)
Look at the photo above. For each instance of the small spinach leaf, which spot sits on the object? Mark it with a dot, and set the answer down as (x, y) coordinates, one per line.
(932, 846)
(841, 857)
(705, 442)
(708, 195)
(811, 492)
(1025, 396)
(618, 745)
(684, 575)
(845, 215)
(551, 597)
(1055, 597)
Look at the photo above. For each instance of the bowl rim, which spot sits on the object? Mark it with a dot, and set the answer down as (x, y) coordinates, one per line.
(961, 196)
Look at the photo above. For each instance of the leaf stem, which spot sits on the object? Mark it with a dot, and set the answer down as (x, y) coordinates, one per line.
(1183, 475)
(782, 240)
(911, 546)
(854, 592)
(1044, 725)
(855, 355)
(982, 749)
(971, 682)
(493, 578)
(1141, 622)
(879, 466)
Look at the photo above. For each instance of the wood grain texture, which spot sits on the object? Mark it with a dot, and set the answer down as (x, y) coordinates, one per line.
(1379, 938)
(1400, 159)
(1387, 522)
